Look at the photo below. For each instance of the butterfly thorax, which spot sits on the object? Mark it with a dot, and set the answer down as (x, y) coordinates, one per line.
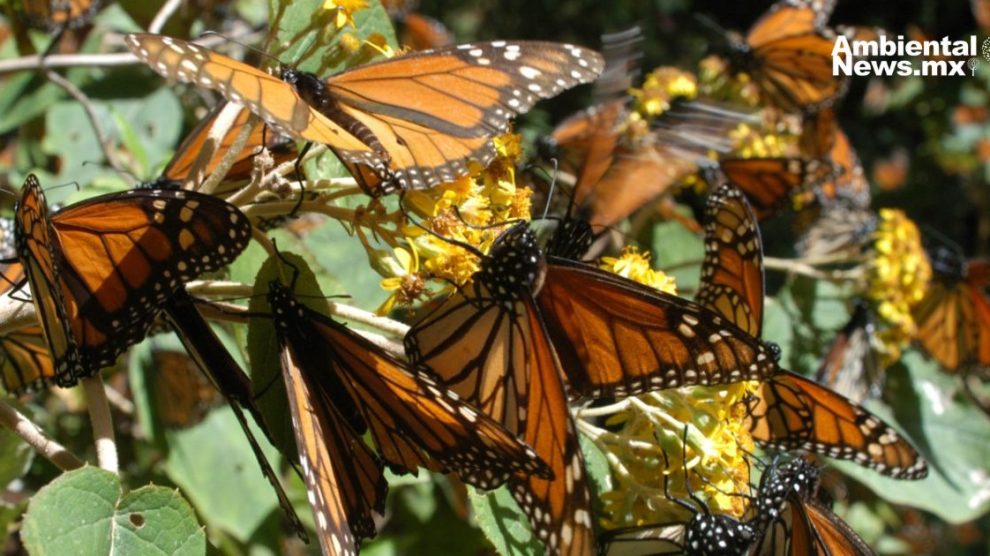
(717, 535)
(296, 330)
(513, 264)
(317, 94)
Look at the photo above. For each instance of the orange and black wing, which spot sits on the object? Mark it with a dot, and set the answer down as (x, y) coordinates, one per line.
(55, 15)
(954, 324)
(180, 168)
(34, 238)
(732, 272)
(822, 138)
(794, 413)
(415, 120)
(616, 337)
(487, 343)
(770, 183)
(100, 270)
(413, 420)
(790, 57)
(25, 364)
(268, 96)
(345, 479)
(434, 111)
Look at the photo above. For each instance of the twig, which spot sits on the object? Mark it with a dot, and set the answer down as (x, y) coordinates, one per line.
(23, 427)
(87, 106)
(99, 416)
(214, 140)
(800, 268)
(162, 16)
(34, 61)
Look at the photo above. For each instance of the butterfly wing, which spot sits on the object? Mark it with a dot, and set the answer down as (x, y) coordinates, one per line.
(182, 164)
(422, 32)
(117, 259)
(56, 15)
(344, 477)
(732, 272)
(33, 233)
(434, 111)
(487, 344)
(791, 57)
(616, 337)
(412, 419)
(25, 364)
(769, 183)
(644, 541)
(942, 321)
(271, 98)
(794, 413)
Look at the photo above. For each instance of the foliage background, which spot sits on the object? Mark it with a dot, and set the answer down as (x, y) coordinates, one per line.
(940, 125)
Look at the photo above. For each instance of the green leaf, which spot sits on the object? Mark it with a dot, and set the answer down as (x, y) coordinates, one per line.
(359, 281)
(311, 44)
(950, 433)
(86, 512)
(214, 465)
(505, 525)
(675, 246)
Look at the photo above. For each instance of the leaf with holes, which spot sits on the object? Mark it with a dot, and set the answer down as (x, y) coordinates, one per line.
(86, 512)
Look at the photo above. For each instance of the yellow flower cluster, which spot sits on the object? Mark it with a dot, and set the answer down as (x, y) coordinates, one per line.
(467, 211)
(717, 81)
(757, 142)
(660, 88)
(897, 278)
(657, 436)
(636, 267)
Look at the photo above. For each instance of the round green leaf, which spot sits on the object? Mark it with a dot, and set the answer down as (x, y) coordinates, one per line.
(86, 512)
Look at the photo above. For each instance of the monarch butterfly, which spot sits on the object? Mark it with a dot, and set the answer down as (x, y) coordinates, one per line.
(788, 53)
(954, 317)
(784, 518)
(771, 183)
(541, 318)
(340, 386)
(822, 138)
(516, 379)
(101, 269)
(179, 169)
(409, 122)
(56, 15)
(790, 411)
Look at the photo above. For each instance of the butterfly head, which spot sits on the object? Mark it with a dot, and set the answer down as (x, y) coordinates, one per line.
(547, 147)
(310, 87)
(718, 535)
(514, 262)
(775, 351)
(572, 239)
(798, 476)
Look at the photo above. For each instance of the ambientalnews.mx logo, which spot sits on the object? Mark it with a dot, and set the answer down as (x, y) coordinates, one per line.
(943, 57)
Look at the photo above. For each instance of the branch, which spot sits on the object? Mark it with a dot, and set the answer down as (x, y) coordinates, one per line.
(162, 16)
(23, 427)
(94, 121)
(99, 416)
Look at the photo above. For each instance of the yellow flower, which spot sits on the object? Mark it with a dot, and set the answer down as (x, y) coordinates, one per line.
(636, 266)
(897, 279)
(660, 88)
(343, 11)
(652, 439)
(467, 211)
(402, 278)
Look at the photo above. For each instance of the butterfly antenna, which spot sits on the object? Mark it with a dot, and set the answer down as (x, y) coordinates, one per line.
(687, 482)
(288, 263)
(553, 185)
(666, 486)
(241, 44)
